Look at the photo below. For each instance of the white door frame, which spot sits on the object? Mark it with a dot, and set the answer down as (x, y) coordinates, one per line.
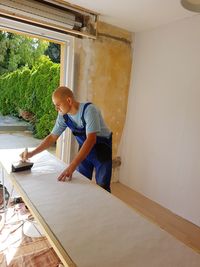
(67, 66)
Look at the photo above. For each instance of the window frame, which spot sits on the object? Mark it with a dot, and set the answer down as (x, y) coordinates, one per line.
(66, 41)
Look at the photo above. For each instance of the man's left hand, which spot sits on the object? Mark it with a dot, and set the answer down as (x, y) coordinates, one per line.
(66, 175)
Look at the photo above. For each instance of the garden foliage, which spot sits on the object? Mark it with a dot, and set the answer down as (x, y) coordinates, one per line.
(30, 90)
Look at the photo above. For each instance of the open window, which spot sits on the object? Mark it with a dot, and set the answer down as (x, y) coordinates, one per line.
(67, 66)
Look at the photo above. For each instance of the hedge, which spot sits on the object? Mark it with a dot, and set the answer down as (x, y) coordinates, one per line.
(30, 90)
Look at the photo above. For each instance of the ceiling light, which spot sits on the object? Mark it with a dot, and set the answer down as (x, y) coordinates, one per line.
(192, 5)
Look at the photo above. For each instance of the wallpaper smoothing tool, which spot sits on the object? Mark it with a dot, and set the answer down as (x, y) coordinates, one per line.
(22, 165)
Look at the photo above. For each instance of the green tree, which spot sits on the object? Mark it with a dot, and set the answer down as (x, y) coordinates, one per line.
(18, 50)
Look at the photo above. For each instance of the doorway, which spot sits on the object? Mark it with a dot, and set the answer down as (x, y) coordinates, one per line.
(66, 42)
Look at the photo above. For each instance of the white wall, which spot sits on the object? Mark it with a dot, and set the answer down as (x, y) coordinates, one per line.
(160, 147)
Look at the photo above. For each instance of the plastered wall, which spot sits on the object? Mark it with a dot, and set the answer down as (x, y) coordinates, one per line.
(102, 75)
(160, 147)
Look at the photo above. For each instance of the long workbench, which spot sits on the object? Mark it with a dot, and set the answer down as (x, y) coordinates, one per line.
(86, 225)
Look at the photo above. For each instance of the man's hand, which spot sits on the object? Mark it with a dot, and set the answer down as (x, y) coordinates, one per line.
(82, 154)
(26, 155)
(66, 175)
(46, 143)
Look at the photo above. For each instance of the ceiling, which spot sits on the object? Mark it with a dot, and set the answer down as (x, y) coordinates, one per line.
(136, 15)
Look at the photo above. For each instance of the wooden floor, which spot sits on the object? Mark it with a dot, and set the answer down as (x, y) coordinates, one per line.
(180, 228)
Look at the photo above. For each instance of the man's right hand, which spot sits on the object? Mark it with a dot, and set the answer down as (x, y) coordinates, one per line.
(26, 155)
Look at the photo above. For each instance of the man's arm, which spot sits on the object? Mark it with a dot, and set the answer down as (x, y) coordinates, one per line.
(82, 154)
(46, 143)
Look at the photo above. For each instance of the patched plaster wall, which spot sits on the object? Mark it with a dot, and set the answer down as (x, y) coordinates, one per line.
(102, 75)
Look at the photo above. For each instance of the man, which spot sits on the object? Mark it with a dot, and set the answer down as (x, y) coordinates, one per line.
(89, 129)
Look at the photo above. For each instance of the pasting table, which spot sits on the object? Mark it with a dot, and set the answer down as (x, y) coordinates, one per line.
(86, 225)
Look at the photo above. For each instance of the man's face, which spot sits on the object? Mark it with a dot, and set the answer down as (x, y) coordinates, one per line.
(62, 105)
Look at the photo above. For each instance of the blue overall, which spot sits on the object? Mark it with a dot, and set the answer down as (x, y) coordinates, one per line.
(100, 156)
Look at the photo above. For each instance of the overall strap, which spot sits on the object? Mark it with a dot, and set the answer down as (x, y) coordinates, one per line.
(82, 116)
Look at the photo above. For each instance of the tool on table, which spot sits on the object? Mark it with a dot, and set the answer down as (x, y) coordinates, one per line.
(23, 164)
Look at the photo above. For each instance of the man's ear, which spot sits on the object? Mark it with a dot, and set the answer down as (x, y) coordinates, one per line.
(69, 100)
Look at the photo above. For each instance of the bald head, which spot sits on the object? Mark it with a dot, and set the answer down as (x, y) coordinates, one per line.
(63, 100)
(63, 92)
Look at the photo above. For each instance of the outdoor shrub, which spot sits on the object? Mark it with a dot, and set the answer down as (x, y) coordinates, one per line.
(30, 90)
